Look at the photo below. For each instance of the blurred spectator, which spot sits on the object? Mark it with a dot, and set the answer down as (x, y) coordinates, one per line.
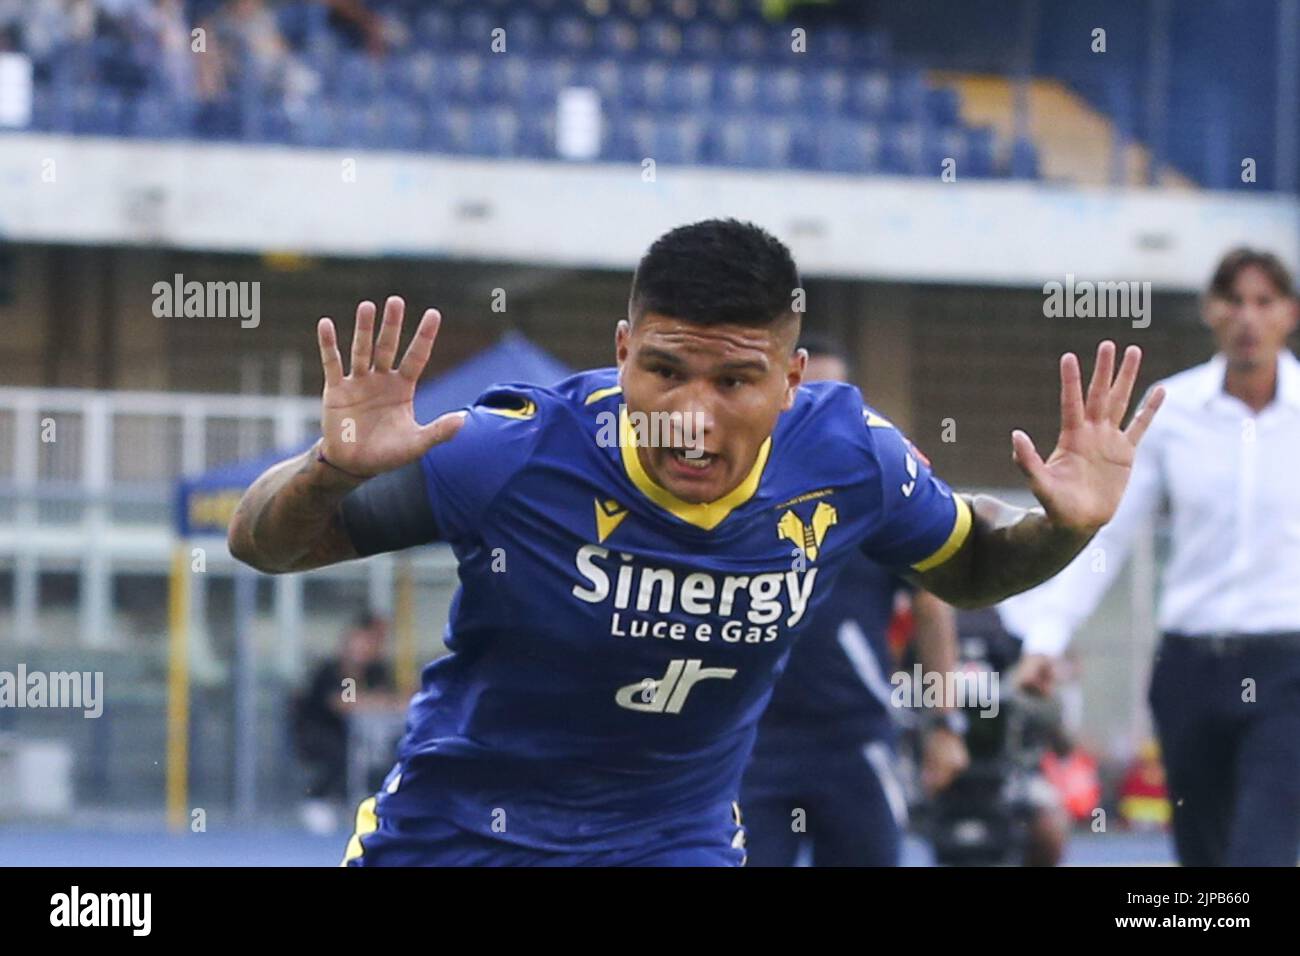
(1143, 797)
(356, 25)
(248, 60)
(321, 711)
(167, 28)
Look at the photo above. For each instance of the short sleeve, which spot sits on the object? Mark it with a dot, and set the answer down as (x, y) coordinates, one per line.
(465, 475)
(922, 523)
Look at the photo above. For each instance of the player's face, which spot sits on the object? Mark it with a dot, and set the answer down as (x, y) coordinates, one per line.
(725, 384)
(1252, 323)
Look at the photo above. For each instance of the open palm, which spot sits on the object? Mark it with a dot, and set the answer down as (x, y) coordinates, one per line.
(368, 421)
(1081, 483)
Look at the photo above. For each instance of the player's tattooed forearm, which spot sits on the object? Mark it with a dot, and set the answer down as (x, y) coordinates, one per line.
(289, 519)
(1009, 550)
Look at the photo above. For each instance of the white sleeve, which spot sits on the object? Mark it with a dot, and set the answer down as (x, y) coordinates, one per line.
(1046, 617)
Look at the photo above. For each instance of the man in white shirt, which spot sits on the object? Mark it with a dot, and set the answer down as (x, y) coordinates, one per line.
(1225, 691)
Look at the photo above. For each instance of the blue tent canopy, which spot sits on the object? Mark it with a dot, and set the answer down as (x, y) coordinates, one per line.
(205, 503)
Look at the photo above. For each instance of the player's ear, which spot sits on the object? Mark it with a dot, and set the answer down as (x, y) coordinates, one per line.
(622, 334)
(794, 377)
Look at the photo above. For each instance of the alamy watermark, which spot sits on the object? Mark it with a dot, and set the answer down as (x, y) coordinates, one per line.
(208, 300)
(946, 690)
(1083, 299)
(652, 430)
(76, 690)
(133, 911)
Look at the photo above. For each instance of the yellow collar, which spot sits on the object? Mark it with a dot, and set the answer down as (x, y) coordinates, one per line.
(707, 515)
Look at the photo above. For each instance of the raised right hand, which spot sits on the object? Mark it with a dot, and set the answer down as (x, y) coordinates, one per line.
(368, 421)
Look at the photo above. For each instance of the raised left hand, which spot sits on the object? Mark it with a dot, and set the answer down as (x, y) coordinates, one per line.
(1081, 483)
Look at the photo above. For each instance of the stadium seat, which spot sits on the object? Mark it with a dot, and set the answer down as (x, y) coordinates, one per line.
(669, 141)
(573, 35)
(474, 31)
(901, 151)
(869, 95)
(982, 159)
(1024, 159)
(661, 38)
(702, 40)
(943, 106)
(872, 49)
(435, 29)
(98, 113)
(907, 97)
(738, 88)
(825, 92)
(537, 134)
(616, 37)
(643, 85)
(745, 41)
(835, 45)
(944, 143)
(604, 76)
(781, 92)
(689, 88)
(848, 147)
(414, 76)
(361, 78)
(493, 132)
(403, 126)
(752, 143)
(524, 34)
(462, 79)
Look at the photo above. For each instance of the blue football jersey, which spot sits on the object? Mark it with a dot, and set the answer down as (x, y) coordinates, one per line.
(835, 687)
(612, 647)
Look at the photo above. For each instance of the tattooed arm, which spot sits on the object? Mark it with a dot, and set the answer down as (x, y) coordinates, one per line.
(1008, 550)
(292, 519)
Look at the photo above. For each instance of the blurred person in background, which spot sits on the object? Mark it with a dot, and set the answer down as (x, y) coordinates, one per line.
(1225, 689)
(1003, 808)
(245, 45)
(823, 775)
(321, 714)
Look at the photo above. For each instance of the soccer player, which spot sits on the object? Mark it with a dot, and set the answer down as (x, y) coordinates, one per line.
(625, 602)
(823, 772)
(1225, 691)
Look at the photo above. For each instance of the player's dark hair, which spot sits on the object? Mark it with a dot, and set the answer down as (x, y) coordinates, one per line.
(715, 272)
(1243, 257)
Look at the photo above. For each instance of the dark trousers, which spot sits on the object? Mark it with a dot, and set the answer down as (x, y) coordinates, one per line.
(845, 802)
(1227, 711)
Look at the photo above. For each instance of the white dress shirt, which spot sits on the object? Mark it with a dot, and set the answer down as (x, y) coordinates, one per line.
(1232, 480)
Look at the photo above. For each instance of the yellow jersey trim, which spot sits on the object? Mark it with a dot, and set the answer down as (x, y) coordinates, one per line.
(528, 410)
(600, 393)
(875, 421)
(957, 537)
(367, 823)
(707, 515)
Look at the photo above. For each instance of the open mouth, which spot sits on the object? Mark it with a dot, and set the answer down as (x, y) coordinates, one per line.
(693, 458)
